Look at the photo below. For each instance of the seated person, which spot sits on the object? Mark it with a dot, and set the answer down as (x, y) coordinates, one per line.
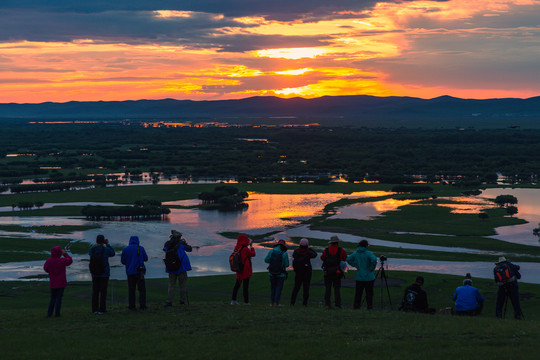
(467, 298)
(415, 298)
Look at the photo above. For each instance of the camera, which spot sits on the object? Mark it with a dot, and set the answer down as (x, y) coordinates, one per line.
(383, 258)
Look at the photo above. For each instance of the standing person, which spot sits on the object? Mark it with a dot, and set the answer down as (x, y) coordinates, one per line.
(467, 299)
(415, 298)
(278, 261)
(506, 276)
(101, 271)
(332, 257)
(177, 265)
(365, 263)
(245, 246)
(55, 266)
(302, 269)
(133, 257)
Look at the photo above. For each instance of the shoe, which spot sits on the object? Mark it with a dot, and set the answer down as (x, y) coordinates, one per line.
(167, 304)
(98, 313)
(143, 307)
(234, 302)
(247, 304)
(182, 303)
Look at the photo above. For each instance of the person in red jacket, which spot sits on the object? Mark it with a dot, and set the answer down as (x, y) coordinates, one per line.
(332, 257)
(56, 267)
(245, 246)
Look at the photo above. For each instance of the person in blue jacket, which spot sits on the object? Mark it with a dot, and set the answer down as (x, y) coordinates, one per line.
(467, 299)
(365, 263)
(133, 257)
(101, 281)
(278, 261)
(179, 243)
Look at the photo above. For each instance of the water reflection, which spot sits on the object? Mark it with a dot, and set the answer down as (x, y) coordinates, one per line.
(266, 213)
(529, 210)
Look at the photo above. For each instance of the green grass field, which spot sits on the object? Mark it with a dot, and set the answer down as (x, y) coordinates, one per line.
(210, 328)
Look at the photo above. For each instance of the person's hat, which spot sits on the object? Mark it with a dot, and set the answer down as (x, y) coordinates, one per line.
(176, 234)
(334, 240)
(501, 259)
(467, 281)
(304, 242)
(282, 243)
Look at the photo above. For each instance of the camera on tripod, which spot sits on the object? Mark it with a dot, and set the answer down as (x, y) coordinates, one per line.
(383, 258)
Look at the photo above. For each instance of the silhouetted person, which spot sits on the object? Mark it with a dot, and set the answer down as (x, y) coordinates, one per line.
(506, 276)
(100, 279)
(302, 269)
(332, 257)
(415, 298)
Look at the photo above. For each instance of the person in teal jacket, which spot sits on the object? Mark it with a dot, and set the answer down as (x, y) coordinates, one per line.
(365, 263)
(277, 261)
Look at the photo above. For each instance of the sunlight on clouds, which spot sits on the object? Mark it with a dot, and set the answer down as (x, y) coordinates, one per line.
(335, 87)
(292, 53)
(172, 14)
(294, 72)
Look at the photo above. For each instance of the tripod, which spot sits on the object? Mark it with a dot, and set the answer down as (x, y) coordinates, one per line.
(507, 295)
(381, 275)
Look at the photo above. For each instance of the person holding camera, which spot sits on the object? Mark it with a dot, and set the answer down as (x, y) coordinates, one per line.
(177, 265)
(332, 257)
(506, 276)
(101, 271)
(365, 263)
(244, 246)
(55, 266)
(133, 257)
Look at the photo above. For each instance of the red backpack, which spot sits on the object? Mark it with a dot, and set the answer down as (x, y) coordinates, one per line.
(503, 273)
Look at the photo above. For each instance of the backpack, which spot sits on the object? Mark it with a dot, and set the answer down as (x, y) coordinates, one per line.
(172, 261)
(235, 260)
(503, 273)
(301, 262)
(331, 263)
(275, 266)
(97, 263)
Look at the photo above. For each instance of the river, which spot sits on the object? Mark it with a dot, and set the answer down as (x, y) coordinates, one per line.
(266, 213)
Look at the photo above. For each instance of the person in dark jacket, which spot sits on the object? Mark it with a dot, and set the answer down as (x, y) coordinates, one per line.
(415, 298)
(245, 246)
(302, 269)
(55, 266)
(508, 288)
(332, 257)
(101, 281)
(133, 257)
(178, 242)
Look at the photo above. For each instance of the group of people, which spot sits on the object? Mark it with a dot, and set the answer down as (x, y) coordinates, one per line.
(334, 261)
(467, 299)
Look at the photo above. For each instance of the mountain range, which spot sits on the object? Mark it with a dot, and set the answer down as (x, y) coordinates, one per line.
(355, 110)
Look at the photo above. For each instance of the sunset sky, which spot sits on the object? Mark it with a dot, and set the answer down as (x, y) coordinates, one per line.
(59, 50)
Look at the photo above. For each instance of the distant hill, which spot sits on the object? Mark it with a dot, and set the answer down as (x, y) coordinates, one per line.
(359, 110)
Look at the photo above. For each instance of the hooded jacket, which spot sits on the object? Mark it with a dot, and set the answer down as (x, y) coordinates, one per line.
(284, 259)
(131, 259)
(302, 258)
(246, 253)
(56, 267)
(365, 263)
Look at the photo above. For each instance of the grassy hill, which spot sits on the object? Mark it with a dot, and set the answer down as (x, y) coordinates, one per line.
(210, 328)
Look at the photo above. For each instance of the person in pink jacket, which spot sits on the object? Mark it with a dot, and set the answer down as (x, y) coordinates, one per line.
(245, 246)
(55, 266)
